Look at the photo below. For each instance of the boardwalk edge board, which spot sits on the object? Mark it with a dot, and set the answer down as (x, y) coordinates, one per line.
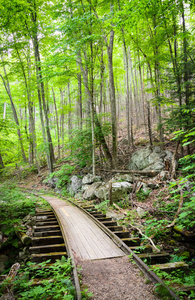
(70, 254)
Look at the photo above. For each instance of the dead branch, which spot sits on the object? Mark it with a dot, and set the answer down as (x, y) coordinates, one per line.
(149, 173)
(145, 236)
(138, 229)
(120, 209)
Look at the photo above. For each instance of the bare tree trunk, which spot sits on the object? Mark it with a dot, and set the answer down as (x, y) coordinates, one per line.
(112, 99)
(80, 115)
(1, 161)
(96, 120)
(7, 88)
(57, 122)
(69, 112)
(41, 95)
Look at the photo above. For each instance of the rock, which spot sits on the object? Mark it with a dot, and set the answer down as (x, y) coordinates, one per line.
(78, 196)
(145, 188)
(3, 261)
(141, 212)
(148, 159)
(75, 185)
(119, 190)
(52, 182)
(89, 178)
(89, 193)
(102, 192)
(123, 177)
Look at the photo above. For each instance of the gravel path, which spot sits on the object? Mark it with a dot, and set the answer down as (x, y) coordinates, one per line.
(115, 279)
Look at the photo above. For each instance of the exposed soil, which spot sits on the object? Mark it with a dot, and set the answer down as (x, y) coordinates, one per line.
(116, 279)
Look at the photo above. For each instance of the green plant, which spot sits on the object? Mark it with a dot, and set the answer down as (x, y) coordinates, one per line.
(54, 281)
(63, 175)
(14, 207)
(103, 206)
(142, 195)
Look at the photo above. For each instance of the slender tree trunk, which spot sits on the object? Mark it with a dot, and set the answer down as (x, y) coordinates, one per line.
(112, 99)
(41, 95)
(69, 112)
(7, 88)
(57, 122)
(101, 137)
(80, 101)
(1, 161)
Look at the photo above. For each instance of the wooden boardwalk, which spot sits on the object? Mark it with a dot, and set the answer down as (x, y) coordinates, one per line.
(87, 240)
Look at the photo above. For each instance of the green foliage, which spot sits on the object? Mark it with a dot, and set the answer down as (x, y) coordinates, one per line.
(55, 281)
(155, 227)
(14, 207)
(142, 195)
(103, 206)
(81, 147)
(63, 175)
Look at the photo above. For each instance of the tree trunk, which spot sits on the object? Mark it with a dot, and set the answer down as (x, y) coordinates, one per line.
(69, 112)
(41, 94)
(1, 161)
(112, 99)
(57, 122)
(80, 101)
(7, 88)
(101, 137)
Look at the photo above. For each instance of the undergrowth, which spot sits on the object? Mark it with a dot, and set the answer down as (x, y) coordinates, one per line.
(53, 281)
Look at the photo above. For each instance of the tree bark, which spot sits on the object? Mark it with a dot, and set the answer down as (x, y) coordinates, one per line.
(1, 161)
(112, 99)
(57, 122)
(7, 88)
(41, 95)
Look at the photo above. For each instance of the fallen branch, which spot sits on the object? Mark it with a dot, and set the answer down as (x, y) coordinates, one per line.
(120, 209)
(148, 238)
(149, 173)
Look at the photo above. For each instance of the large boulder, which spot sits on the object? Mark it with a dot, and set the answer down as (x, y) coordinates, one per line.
(52, 182)
(119, 190)
(89, 193)
(74, 185)
(89, 178)
(149, 159)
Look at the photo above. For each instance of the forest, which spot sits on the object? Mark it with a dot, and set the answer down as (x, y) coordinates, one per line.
(79, 74)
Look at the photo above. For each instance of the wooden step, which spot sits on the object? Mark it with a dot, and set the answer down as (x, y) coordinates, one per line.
(47, 248)
(104, 219)
(46, 228)
(47, 233)
(109, 223)
(122, 234)
(153, 258)
(115, 228)
(186, 288)
(38, 258)
(45, 218)
(47, 223)
(48, 240)
(131, 241)
(168, 267)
